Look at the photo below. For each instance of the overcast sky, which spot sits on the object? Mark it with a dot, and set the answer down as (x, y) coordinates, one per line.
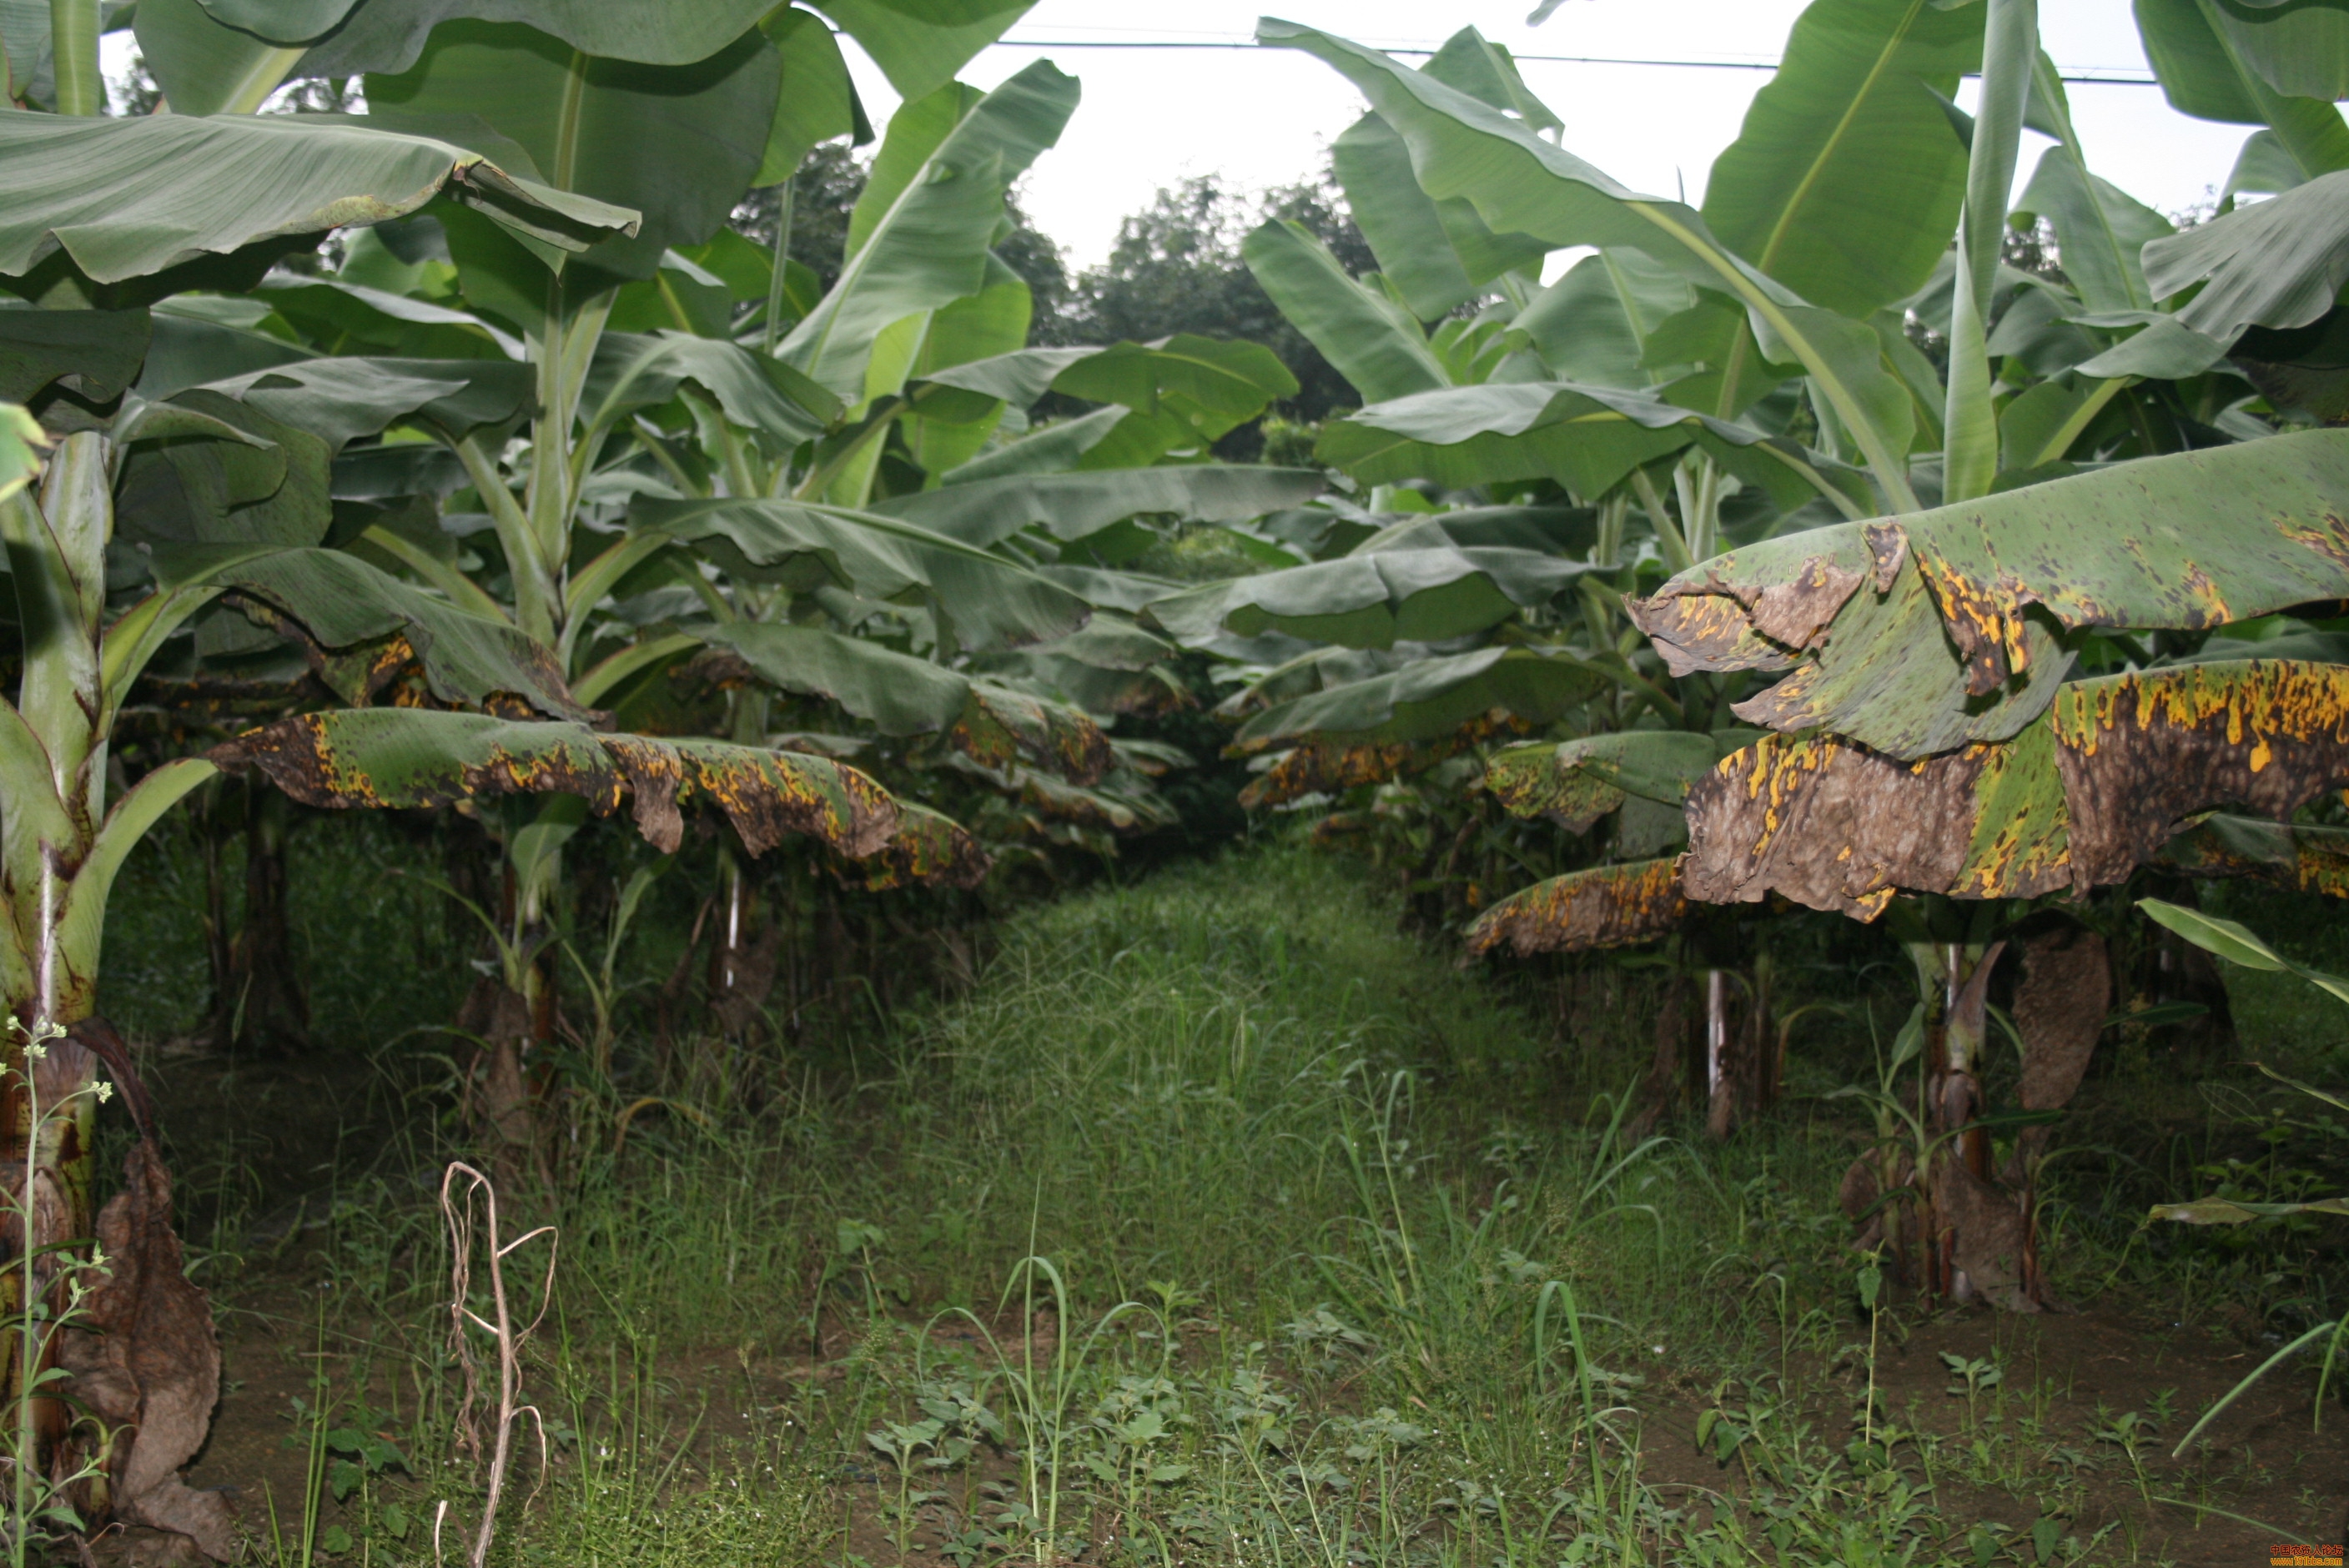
(1262, 117)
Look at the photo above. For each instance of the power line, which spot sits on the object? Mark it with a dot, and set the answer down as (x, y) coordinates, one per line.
(2093, 74)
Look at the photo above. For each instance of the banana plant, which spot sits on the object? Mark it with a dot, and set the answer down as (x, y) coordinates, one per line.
(154, 512)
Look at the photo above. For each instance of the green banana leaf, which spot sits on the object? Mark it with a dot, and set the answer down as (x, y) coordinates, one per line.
(1213, 382)
(991, 322)
(389, 35)
(1372, 600)
(1055, 449)
(342, 398)
(817, 101)
(926, 245)
(365, 630)
(2297, 50)
(1593, 326)
(95, 353)
(356, 317)
(2237, 944)
(1922, 634)
(206, 64)
(1845, 182)
(987, 601)
(920, 45)
(1520, 183)
(1429, 696)
(1070, 506)
(2100, 229)
(1370, 337)
(903, 695)
(1605, 906)
(1436, 255)
(2278, 262)
(21, 441)
(677, 143)
(127, 198)
(778, 407)
(1589, 438)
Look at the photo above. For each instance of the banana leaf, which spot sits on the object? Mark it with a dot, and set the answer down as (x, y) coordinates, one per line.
(1605, 906)
(1576, 782)
(1429, 696)
(127, 198)
(1372, 600)
(405, 758)
(2100, 785)
(1922, 634)
(901, 695)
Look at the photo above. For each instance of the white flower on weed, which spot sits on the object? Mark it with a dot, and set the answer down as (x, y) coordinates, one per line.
(104, 1091)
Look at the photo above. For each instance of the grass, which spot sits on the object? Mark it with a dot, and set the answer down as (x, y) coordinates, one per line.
(1218, 1223)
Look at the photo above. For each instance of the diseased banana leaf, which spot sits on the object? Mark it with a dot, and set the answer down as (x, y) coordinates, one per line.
(2097, 786)
(1605, 906)
(407, 758)
(2301, 856)
(1330, 769)
(1576, 782)
(2141, 754)
(928, 848)
(1859, 612)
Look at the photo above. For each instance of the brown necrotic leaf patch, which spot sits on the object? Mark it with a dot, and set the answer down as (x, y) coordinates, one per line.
(1332, 769)
(928, 848)
(2119, 766)
(374, 759)
(770, 796)
(2142, 753)
(378, 757)
(1000, 727)
(1795, 613)
(1706, 625)
(1607, 906)
(1835, 825)
(654, 774)
(1325, 770)
(2059, 1009)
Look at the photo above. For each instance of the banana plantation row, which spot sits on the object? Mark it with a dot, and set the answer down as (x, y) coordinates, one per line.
(1796, 549)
